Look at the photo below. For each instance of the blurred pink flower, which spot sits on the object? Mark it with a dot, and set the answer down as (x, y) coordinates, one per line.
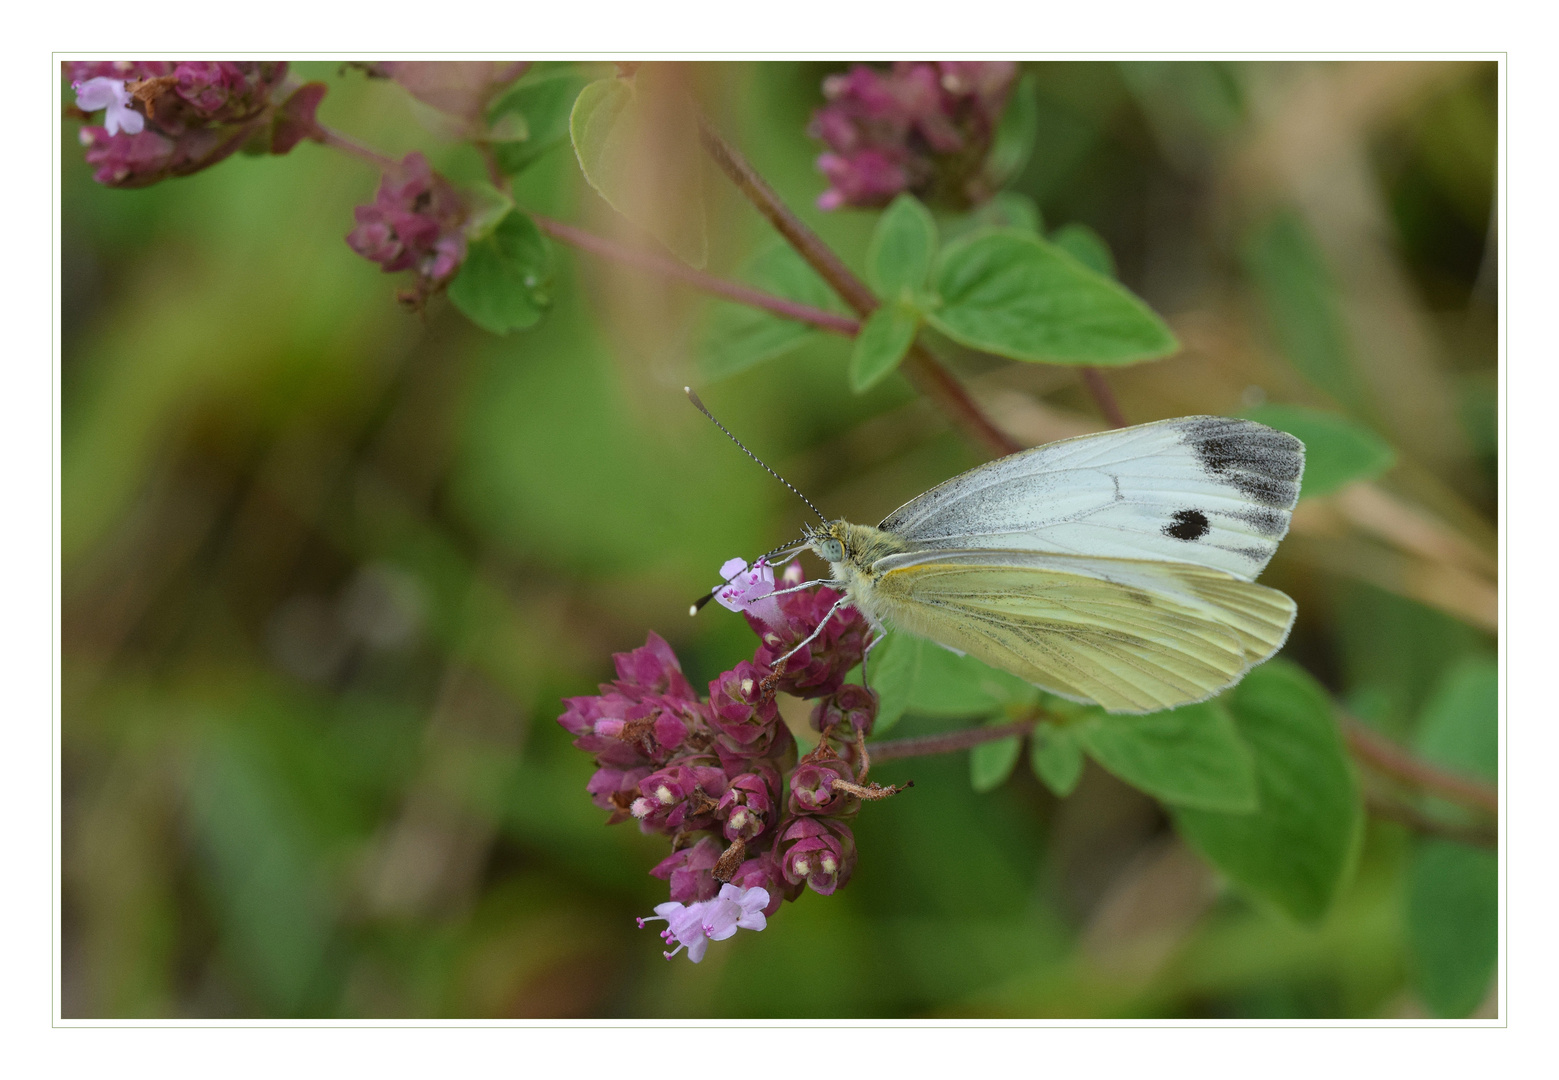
(920, 126)
(107, 92)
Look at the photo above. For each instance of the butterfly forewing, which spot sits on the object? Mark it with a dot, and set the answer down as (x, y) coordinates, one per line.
(1132, 635)
(1205, 490)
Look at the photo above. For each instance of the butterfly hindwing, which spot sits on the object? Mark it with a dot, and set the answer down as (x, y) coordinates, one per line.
(1206, 490)
(1132, 635)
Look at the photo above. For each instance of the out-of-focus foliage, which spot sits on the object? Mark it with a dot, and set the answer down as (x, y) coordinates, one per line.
(329, 567)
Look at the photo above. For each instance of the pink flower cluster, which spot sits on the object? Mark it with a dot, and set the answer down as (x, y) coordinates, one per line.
(923, 127)
(165, 118)
(719, 775)
(415, 222)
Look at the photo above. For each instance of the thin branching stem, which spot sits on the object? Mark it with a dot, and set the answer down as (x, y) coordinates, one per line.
(665, 266)
(1104, 397)
(948, 742)
(348, 145)
(927, 374)
(1385, 756)
(1412, 817)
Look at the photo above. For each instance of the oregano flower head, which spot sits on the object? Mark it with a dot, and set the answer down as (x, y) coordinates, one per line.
(712, 774)
(416, 223)
(922, 126)
(164, 118)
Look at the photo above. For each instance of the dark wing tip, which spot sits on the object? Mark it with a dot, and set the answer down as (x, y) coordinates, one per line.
(1262, 463)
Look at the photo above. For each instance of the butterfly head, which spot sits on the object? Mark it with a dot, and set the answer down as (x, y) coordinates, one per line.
(830, 542)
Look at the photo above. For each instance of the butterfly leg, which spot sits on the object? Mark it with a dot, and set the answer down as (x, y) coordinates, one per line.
(877, 637)
(843, 600)
(806, 585)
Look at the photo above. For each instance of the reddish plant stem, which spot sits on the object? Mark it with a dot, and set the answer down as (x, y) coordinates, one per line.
(495, 173)
(1418, 821)
(1104, 397)
(348, 145)
(925, 745)
(659, 264)
(928, 375)
(1373, 749)
(1387, 757)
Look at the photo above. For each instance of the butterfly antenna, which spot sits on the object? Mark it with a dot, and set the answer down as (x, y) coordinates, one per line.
(699, 405)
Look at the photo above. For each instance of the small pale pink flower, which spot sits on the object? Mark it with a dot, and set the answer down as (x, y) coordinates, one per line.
(694, 926)
(749, 589)
(107, 92)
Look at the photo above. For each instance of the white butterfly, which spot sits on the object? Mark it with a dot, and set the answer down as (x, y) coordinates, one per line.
(1115, 568)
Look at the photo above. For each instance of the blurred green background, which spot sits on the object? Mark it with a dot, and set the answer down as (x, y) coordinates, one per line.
(329, 567)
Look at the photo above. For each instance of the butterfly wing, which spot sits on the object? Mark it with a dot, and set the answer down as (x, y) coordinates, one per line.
(1132, 635)
(1206, 490)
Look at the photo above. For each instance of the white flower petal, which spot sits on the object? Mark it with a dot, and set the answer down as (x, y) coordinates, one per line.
(99, 93)
(731, 567)
(130, 121)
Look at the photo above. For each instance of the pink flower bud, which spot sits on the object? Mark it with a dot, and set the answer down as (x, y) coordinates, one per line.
(853, 708)
(812, 792)
(747, 719)
(748, 806)
(680, 797)
(651, 669)
(817, 851)
(414, 223)
(763, 872)
(690, 871)
(614, 789)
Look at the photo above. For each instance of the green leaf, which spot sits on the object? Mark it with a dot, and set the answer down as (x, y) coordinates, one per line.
(902, 248)
(506, 279)
(1459, 725)
(1453, 924)
(1298, 848)
(1015, 133)
(488, 208)
(1453, 889)
(1056, 757)
(737, 337)
(1004, 210)
(1337, 450)
(1009, 293)
(532, 118)
(991, 763)
(637, 145)
(1302, 305)
(1191, 756)
(881, 345)
(911, 674)
(1086, 246)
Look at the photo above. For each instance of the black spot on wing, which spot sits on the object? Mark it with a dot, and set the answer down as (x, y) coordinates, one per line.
(1262, 463)
(1187, 525)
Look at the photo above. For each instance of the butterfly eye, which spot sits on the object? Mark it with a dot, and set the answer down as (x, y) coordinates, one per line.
(833, 550)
